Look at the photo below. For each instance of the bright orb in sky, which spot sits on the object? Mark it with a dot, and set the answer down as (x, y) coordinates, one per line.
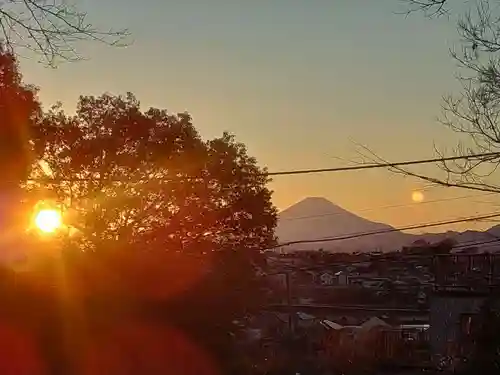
(417, 196)
(48, 220)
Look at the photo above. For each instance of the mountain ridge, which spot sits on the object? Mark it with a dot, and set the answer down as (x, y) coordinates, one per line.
(316, 218)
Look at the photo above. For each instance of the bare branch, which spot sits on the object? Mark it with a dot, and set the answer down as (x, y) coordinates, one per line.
(474, 114)
(51, 28)
(431, 8)
(374, 158)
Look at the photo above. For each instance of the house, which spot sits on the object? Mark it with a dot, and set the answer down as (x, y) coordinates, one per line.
(374, 322)
(342, 278)
(326, 279)
(456, 302)
(371, 343)
(305, 320)
(369, 282)
(329, 278)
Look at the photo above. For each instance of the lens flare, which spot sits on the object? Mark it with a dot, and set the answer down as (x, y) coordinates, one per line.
(48, 220)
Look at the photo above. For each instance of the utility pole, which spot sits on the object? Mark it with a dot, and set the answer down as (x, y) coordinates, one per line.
(289, 301)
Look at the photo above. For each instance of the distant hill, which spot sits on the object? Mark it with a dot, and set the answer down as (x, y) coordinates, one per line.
(317, 218)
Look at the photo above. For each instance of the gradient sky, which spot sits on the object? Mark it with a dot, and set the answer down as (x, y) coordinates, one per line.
(300, 82)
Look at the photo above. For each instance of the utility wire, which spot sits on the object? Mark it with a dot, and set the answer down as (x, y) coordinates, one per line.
(458, 246)
(476, 243)
(389, 230)
(286, 173)
(384, 165)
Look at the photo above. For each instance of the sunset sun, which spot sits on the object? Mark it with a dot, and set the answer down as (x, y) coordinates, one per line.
(417, 196)
(48, 220)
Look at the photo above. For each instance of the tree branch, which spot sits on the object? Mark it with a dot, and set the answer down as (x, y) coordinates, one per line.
(51, 28)
(430, 8)
(433, 180)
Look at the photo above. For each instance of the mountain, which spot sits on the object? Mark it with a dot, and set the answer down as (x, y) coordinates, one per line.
(316, 218)
(494, 231)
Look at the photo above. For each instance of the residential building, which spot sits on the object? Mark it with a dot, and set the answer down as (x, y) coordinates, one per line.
(464, 283)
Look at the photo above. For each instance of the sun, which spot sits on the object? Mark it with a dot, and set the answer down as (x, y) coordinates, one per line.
(417, 196)
(48, 220)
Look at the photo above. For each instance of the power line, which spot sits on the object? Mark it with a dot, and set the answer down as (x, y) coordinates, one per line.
(476, 243)
(389, 207)
(384, 165)
(286, 173)
(389, 230)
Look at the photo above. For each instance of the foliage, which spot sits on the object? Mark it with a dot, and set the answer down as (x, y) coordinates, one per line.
(19, 110)
(169, 219)
(148, 179)
(164, 227)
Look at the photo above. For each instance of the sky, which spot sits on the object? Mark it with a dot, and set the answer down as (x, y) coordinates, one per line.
(303, 83)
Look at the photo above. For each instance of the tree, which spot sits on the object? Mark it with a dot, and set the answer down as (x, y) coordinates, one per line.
(160, 219)
(52, 29)
(148, 178)
(473, 115)
(19, 110)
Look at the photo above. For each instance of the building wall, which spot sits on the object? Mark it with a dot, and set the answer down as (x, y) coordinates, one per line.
(445, 316)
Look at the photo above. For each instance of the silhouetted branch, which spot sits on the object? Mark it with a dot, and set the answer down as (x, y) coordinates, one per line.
(51, 28)
(474, 114)
(431, 8)
(448, 182)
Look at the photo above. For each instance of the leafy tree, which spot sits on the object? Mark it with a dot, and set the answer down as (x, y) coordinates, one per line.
(148, 178)
(19, 110)
(158, 218)
(51, 29)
